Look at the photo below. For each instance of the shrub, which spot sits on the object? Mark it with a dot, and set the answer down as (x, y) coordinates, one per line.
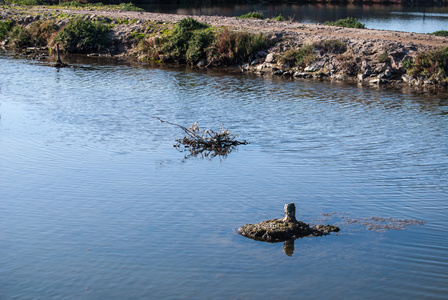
(432, 64)
(26, 2)
(383, 57)
(191, 41)
(298, 57)
(19, 37)
(129, 7)
(232, 47)
(347, 22)
(5, 28)
(190, 24)
(440, 33)
(279, 18)
(82, 36)
(253, 15)
(197, 45)
(332, 46)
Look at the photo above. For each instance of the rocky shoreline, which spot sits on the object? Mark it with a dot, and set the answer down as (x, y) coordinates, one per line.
(363, 56)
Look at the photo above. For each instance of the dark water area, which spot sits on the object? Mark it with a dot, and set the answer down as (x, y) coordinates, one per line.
(419, 19)
(95, 203)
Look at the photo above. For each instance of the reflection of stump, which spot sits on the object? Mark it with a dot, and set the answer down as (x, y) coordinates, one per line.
(290, 213)
(288, 247)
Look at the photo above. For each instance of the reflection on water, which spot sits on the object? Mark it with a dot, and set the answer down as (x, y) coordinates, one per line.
(420, 19)
(288, 247)
(96, 202)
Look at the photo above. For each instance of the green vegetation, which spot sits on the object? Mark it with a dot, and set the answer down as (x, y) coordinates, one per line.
(347, 22)
(137, 35)
(331, 46)
(383, 57)
(5, 27)
(253, 15)
(82, 36)
(37, 35)
(191, 41)
(440, 33)
(80, 4)
(279, 18)
(25, 2)
(432, 64)
(298, 57)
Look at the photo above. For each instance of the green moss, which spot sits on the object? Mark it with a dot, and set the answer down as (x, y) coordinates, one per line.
(347, 22)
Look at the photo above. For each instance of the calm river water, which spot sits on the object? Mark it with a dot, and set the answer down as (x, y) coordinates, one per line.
(399, 17)
(95, 203)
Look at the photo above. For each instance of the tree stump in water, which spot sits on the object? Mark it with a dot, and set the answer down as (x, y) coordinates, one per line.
(288, 228)
(59, 63)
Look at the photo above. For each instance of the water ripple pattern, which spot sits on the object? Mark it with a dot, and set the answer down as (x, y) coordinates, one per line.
(96, 203)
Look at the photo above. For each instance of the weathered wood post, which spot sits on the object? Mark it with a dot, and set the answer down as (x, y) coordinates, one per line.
(290, 213)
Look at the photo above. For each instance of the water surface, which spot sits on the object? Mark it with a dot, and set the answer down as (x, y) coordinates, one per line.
(96, 203)
(419, 19)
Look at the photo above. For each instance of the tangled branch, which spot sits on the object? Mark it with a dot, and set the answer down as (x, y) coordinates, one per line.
(207, 142)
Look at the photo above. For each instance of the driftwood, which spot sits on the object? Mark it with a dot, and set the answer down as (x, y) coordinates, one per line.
(207, 142)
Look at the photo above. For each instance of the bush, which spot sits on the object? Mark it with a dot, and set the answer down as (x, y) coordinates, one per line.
(232, 47)
(347, 22)
(298, 57)
(190, 24)
(197, 45)
(440, 33)
(191, 41)
(129, 7)
(5, 28)
(279, 18)
(83, 36)
(253, 15)
(25, 2)
(331, 46)
(19, 37)
(432, 64)
(383, 57)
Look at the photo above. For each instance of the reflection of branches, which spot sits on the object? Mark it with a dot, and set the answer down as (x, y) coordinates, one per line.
(208, 143)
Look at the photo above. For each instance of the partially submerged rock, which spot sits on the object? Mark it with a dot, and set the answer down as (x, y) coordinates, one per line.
(288, 228)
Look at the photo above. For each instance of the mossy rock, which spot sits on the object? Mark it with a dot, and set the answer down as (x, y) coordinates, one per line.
(288, 228)
(278, 230)
(275, 230)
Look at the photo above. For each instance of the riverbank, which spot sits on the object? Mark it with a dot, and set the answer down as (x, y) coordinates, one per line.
(296, 50)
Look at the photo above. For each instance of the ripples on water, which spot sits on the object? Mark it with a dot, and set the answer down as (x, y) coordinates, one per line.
(96, 203)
